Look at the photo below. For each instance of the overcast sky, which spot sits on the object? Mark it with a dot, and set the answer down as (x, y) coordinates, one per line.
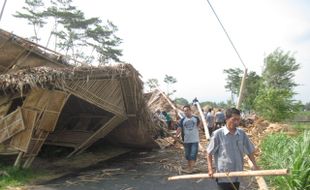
(182, 38)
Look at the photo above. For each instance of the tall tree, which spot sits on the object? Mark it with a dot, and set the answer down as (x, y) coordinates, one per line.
(170, 80)
(252, 85)
(81, 38)
(279, 70)
(181, 101)
(152, 83)
(33, 13)
(275, 98)
(233, 81)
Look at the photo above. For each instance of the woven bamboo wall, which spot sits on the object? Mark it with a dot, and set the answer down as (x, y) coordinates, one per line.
(21, 141)
(4, 107)
(105, 94)
(40, 111)
(10, 125)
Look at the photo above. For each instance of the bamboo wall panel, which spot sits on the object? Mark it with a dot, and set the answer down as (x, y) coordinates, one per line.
(52, 110)
(11, 124)
(49, 103)
(106, 94)
(21, 140)
(5, 105)
(36, 99)
(37, 140)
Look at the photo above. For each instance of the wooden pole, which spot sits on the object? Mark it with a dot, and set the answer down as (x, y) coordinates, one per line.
(233, 174)
(204, 122)
(242, 88)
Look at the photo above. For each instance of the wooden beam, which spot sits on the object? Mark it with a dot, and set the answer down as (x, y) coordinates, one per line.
(233, 174)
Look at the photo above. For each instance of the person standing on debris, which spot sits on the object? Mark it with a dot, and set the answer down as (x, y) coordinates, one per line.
(189, 128)
(210, 120)
(219, 119)
(227, 146)
(167, 119)
(160, 119)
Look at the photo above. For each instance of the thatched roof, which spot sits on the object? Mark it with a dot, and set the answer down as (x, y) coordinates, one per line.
(48, 76)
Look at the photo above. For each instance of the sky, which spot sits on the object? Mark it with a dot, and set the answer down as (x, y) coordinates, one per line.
(183, 39)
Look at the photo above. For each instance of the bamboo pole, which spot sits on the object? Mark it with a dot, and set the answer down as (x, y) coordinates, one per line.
(233, 174)
(204, 122)
(169, 101)
(18, 159)
(260, 180)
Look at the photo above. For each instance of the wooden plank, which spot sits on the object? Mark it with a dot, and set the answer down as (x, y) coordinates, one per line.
(233, 174)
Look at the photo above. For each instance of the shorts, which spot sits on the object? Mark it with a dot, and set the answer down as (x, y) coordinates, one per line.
(191, 151)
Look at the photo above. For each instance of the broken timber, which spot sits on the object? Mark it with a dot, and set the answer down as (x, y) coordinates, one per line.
(233, 174)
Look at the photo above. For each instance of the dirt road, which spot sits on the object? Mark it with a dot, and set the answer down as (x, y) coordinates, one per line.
(136, 171)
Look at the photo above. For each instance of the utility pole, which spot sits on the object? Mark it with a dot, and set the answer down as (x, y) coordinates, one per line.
(2, 10)
(242, 88)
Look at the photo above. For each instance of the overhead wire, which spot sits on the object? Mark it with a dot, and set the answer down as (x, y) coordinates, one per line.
(2, 10)
(231, 42)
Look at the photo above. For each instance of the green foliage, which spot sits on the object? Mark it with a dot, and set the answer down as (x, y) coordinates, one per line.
(14, 176)
(281, 151)
(181, 101)
(79, 37)
(209, 104)
(276, 104)
(170, 80)
(233, 80)
(307, 107)
(252, 84)
(279, 70)
(152, 83)
(251, 90)
(275, 98)
(33, 13)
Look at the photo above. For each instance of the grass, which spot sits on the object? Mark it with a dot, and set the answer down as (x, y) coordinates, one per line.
(281, 151)
(301, 126)
(11, 176)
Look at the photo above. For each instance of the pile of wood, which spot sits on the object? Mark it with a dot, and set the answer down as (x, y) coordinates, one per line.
(261, 128)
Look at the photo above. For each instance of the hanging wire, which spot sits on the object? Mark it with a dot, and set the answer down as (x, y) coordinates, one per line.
(232, 44)
(2, 10)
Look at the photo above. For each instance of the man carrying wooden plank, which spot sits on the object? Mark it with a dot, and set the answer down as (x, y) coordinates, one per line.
(228, 146)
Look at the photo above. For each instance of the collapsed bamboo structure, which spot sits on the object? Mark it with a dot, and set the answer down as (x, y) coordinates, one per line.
(44, 99)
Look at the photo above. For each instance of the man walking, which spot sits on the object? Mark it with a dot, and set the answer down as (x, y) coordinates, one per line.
(228, 146)
(188, 126)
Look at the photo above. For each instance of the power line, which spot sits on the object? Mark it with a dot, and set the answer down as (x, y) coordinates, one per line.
(2, 10)
(227, 34)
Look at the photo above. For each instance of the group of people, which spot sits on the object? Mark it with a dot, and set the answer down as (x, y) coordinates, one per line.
(226, 148)
(214, 120)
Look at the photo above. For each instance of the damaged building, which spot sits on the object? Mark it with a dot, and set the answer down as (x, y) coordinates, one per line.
(44, 100)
